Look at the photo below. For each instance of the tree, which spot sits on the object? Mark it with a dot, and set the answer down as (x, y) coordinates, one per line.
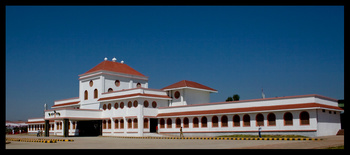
(235, 97)
(229, 99)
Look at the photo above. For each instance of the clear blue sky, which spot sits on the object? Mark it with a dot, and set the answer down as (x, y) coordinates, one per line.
(287, 50)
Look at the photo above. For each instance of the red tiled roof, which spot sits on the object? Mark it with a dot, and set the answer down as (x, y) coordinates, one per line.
(132, 95)
(114, 67)
(186, 83)
(250, 109)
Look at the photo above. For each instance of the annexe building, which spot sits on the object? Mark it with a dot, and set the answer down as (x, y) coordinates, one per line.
(114, 100)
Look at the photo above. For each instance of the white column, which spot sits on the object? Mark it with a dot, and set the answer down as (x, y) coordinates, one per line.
(140, 118)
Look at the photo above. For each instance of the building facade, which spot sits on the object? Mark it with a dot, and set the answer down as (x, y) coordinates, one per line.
(114, 100)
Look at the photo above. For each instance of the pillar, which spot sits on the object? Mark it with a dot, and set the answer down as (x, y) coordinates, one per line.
(65, 127)
(47, 127)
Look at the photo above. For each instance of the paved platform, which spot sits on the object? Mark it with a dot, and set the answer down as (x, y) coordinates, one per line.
(137, 143)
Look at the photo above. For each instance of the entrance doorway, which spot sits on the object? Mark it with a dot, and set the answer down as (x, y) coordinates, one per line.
(89, 128)
(153, 124)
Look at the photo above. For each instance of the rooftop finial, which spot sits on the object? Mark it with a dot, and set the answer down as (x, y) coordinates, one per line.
(105, 59)
(122, 61)
(114, 59)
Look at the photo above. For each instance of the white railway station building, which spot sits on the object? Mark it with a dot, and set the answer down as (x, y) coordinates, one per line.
(114, 100)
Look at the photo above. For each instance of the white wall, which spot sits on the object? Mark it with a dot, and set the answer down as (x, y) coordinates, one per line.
(196, 97)
(328, 122)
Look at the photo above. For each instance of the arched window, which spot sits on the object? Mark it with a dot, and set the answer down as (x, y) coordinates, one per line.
(109, 124)
(304, 118)
(214, 121)
(145, 103)
(110, 89)
(116, 124)
(288, 118)
(246, 120)
(178, 122)
(104, 107)
(91, 83)
(204, 122)
(224, 121)
(271, 119)
(259, 120)
(145, 123)
(186, 122)
(135, 123)
(122, 124)
(138, 85)
(236, 121)
(162, 123)
(95, 93)
(195, 122)
(104, 124)
(85, 95)
(168, 123)
(129, 123)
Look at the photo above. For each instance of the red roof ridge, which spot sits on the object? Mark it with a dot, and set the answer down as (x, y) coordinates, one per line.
(187, 83)
(114, 67)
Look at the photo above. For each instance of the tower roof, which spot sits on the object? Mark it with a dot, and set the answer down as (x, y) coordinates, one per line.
(191, 84)
(114, 67)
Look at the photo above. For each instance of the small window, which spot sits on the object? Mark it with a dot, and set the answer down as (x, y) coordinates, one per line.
(117, 83)
(121, 105)
(109, 106)
(95, 93)
(129, 123)
(204, 122)
(214, 121)
(304, 118)
(91, 83)
(145, 103)
(109, 124)
(122, 124)
(186, 122)
(236, 121)
(259, 120)
(246, 120)
(271, 119)
(135, 103)
(168, 123)
(178, 122)
(195, 122)
(129, 104)
(145, 123)
(138, 85)
(104, 107)
(288, 118)
(104, 124)
(135, 123)
(154, 104)
(162, 123)
(110, 89)
(224, 121)
(85, 95)
(177, 94)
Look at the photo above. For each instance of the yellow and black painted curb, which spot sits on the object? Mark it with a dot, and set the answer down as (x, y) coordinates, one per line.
(39, 140)
(223, 138)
